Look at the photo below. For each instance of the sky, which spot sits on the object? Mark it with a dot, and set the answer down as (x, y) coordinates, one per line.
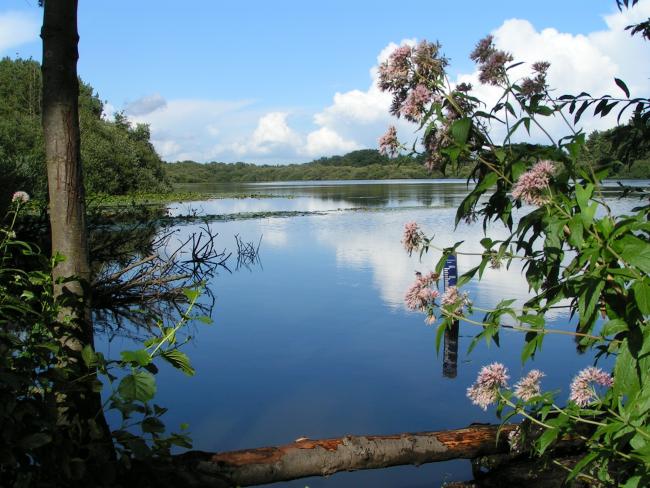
(291, 81)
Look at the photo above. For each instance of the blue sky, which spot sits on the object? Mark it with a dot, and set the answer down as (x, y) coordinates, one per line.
(288, 81)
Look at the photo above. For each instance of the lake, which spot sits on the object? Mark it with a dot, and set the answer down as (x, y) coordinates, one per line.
(315, 341)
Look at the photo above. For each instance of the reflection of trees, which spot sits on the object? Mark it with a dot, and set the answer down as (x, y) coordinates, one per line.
(376, 194)
(141, 266)
(142, 281)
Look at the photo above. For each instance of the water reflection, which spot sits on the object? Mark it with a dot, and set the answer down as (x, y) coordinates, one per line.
(318, 343)
(324, 196)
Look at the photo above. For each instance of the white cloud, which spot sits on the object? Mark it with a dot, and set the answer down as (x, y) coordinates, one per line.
(206, 130)
(326, 142)
(145, 105)
(194, 129)
(272, 133)
(578, 63)
(108, 111)
(17, 28)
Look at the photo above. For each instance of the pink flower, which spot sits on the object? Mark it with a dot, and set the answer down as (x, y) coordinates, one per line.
(20, 196)
(412, 237)
(537, 84)
(531, 186)
(484, 391)
(582, 386)
(528, 387)
(493, 71)
(394, 72)
(516, 440)
(420, 295)
(492, 62)
(451, 298)
(483, 50)
(414, 106)
(388, 143)
(430, 64)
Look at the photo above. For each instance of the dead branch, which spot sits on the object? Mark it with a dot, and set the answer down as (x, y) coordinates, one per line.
(307, 457)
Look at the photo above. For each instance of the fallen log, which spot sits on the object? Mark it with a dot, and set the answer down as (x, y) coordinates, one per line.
(307, 457)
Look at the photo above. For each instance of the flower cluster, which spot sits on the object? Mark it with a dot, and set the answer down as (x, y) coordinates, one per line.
(582, 386)
(492, 61)
(516, 440)
(412, 237)
(394, 73)
(435, 140)
(415, 103)
(537, 84)
(532, 186)
(485, 391)
(420, 296)
(20, 196)
(455, 301)
(388, 143)
(409, 74)
(529, 387)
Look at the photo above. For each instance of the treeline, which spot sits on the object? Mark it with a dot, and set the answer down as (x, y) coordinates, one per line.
(365, 164)
(117, 158)
(624, 149)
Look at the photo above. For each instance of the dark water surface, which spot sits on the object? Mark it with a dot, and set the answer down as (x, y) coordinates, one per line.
(316, 342)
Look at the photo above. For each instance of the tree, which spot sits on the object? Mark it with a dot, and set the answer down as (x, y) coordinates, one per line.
(68, 215)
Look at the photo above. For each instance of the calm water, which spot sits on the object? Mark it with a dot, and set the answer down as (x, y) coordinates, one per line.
(315, 342)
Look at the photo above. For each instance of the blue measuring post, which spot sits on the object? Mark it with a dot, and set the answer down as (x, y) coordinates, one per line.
(450, 348)
(450, 271)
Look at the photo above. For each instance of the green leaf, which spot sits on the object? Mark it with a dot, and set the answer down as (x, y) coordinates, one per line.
(621, 84)
(632, 482)
(140, 357)
(487, 182)
(138, 386)
(544, 110)
(583, 195)
(178, 360)
(575, 237)
(642, 295)
(614, 326)
(634, 251)
(580, 465)
(460, 130)
(546, 439)
(152, 425)
(191, 294)
(529, 349)
(88, 356)
(626, 381)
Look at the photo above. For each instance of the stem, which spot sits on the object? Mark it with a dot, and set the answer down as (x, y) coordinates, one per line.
(523, 329)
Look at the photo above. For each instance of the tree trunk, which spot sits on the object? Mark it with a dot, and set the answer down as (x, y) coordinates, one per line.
(62, 143)
(324, 457)
(68, 219)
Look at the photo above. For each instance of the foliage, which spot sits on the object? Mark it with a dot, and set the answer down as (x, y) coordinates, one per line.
(575, 250)
(45, 439)
(624, 149)
(117, 157)
(358, 165)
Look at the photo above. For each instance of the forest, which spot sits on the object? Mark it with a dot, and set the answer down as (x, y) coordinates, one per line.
(118, 158)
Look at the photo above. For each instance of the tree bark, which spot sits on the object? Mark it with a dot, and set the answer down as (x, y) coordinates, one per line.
(60, 120)
(62, 143)
(307, 457)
